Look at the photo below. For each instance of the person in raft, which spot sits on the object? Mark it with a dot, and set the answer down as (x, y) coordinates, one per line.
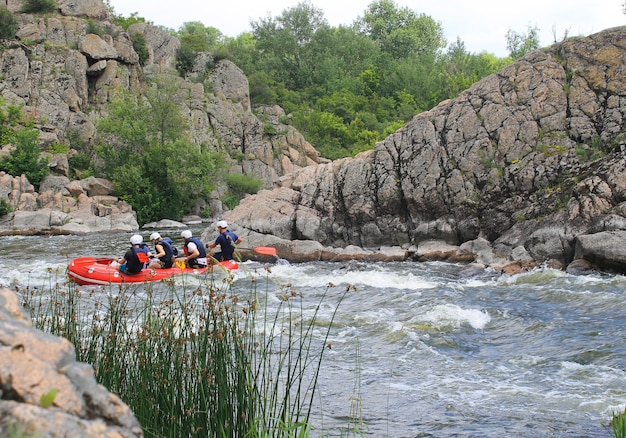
(163, 253)
(136, 258)
(195, 254)
(227, 240)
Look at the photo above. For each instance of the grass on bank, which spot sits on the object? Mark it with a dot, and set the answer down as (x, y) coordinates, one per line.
(205, 360)
(617, 425)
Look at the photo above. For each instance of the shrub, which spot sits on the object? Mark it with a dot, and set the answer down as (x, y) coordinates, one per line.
(238, 186)
(5, 207)
(24, 159)
(34, 6)
(141, 47)
(8, 24)
(185, 58)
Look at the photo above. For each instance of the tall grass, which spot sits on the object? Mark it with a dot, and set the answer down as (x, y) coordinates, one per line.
(617, 424)
(206, 360)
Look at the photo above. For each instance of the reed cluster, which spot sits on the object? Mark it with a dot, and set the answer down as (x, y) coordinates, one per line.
(617, 425)
(204, 360)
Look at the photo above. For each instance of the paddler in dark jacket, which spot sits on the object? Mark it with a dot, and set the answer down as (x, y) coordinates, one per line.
(162, 251)
(136, 258)
(195, 253)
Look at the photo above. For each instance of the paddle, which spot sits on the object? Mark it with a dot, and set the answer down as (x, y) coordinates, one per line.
(266, 250)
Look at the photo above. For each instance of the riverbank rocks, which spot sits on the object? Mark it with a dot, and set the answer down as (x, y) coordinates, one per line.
(606, 249)
(34, 364)
(63, 207)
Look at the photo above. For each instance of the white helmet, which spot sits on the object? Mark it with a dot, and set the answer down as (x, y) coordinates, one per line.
(222, 224)
(155, 236)
(136, 239)
(186, 234)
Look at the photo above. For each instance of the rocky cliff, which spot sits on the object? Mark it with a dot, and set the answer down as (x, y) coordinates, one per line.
(526, 161)
(62, 68)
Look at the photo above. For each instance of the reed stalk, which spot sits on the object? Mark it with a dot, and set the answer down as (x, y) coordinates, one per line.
(207, 360)
(617, 424)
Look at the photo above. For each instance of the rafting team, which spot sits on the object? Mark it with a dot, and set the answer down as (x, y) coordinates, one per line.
(165, 254)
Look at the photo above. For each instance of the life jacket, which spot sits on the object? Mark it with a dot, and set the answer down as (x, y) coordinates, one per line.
(231, 238)
(199, 245)
(138, 260)
(142, 252)
(171, 244)
(167, 248)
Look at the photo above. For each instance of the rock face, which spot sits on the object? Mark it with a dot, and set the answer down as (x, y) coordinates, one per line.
(63, 66)
(33, 364)
(527, 159)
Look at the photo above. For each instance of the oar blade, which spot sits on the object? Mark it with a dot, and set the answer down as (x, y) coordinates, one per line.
(266, 250)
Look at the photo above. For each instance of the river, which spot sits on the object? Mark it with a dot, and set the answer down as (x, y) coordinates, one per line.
(420, 350)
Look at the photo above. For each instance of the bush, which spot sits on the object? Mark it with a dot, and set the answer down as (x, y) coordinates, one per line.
(24, 159)
(8, 24)
(34, 6)
(238, 186)
(185, 58)
(126, 22)
(141, 47)
(5, 207)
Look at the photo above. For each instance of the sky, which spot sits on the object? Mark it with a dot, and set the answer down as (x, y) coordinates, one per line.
(482, 25)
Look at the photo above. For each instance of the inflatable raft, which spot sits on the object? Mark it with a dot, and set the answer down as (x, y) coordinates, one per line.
(95, 271)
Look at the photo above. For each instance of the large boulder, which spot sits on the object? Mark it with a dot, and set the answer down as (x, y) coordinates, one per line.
(33, 364)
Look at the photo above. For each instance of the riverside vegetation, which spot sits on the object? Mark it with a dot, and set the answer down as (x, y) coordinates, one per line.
(204, 360)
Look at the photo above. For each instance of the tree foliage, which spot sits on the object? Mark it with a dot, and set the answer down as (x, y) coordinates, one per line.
(347, 86)
(196, 38)
(400, 32)
(519, 44)
(8, 24)
(35, 6)
(25, 158)
(126, 22)
(140, 46)
(147, 153)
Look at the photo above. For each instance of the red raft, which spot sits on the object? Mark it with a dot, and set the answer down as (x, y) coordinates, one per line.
(95, 271)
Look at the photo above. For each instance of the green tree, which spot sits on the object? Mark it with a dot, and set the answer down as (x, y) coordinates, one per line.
(519, 44)
(348, 87)
(140, 46)
(8, 24)
(5, 207)
(126, 22)
(10, 118)
(194, 38)
(459, 69)
(243, 50)
(25, 158)
(400, 31)
(153, 164)
(165, 117)
(198, 37)
(284, 43)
